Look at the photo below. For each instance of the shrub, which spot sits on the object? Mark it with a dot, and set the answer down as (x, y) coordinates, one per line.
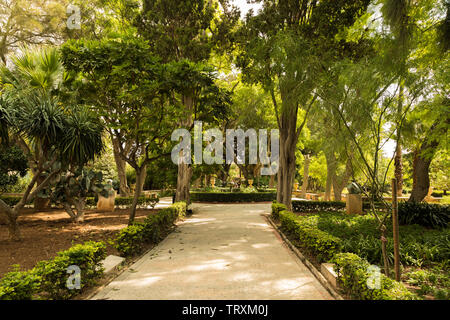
(232, 196)
(276, 209)
(19, 285)
(87, 257)
(317, 242)
(314, 206)
(11, 200)
(424, 214)
(142, 201)
(131, 239)
(353, 276)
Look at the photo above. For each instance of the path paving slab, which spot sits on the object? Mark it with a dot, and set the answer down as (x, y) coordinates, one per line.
(221, 252)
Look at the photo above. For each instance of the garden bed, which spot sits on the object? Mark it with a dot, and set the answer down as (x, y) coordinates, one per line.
(46, 233)
(424, 252)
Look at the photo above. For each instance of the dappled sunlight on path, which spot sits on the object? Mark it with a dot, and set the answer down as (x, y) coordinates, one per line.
(224, 251)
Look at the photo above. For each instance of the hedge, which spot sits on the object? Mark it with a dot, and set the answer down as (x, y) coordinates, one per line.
(92, 201)
(314, 206)
(232, 196)
(48, 279)
(354, 277)
(11, 200)
(276, 209)
(424, 214)
(131, 239)
(317, 242)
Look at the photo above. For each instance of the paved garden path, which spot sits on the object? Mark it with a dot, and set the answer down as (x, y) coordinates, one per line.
(222, 252)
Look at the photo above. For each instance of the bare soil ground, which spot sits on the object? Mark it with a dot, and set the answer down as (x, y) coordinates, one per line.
(46, 233)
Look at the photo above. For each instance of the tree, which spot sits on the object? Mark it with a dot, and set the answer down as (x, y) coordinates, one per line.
(36, 74)
(46, 125)
(186, 31)
(132, 92)
(429, 122)
(271, 44)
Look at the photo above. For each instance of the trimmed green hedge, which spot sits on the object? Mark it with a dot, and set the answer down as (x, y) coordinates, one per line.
(425, 214)
(354, 277)
(314, 206)
(11, 200)
(330, 206)
(92, 201)
(319, 243)
(232, 196)
(48, 279)
(131, 239)
(276, 209)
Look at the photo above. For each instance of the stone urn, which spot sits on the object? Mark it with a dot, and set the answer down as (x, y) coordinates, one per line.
(213, 182)
(250, 183)
(296, 186)
(354, 203)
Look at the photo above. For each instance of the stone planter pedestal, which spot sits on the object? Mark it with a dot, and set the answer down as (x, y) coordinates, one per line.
(354, 204)
(106, 204)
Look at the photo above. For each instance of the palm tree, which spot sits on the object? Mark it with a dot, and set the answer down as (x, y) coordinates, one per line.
(36, 74)
(54, 135)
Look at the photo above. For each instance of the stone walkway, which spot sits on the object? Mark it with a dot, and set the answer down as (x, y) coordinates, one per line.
(222, 252)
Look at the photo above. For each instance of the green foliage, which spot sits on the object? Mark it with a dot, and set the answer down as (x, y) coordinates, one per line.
(434, 282)
(353, 277)
(321, 244)
(424, 214)
(142, 201)
(232, 196)
(77, 186)
(19, 285)
(131, 239)
(360, 235)
(11, 200)
(276, 209)
(87, 257)
(13, 164)
(48, 279)
(315, 206)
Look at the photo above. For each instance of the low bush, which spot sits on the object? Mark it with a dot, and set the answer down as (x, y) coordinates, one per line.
(131, 239)
(11, 200)
(319, 243)
(48, 279)
(355, 278)
(359, 234)
(424, 214)
(19, 285)
(315, 206)
(87, 257)
(232, 196)
(276, 209)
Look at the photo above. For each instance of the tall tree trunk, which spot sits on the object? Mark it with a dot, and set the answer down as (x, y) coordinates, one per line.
(305, 175)
(141, 173)
(124, 189)
(421, 166)
(331, 171)
(286, 170)
(40, 204)
(183, 183)
(339, 183)
(185, 170)
(398, 165)
(13, 228)
(398, 161)
(272, 181)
